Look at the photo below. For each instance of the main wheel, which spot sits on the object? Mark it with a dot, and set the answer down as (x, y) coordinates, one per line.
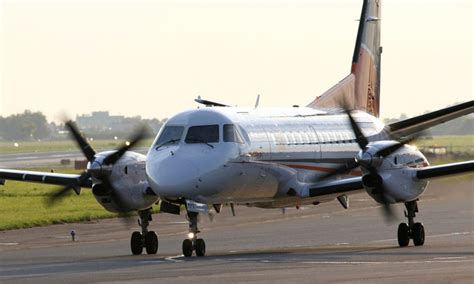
(200, 247)
(403, 234)
(151, 242)
(418, 234)
(187, 247)
(136, 243)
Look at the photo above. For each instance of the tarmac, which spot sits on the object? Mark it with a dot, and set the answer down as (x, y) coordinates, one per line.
(317, 244)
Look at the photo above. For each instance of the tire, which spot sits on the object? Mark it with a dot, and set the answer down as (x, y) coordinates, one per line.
(403, 235)
(187, 248)
(418, 234)
(200, 247)
(151, 242)
(136, 243)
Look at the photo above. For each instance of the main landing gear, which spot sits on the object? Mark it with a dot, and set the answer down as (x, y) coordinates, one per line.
(146, 239)
(192, 243)
(412, 230)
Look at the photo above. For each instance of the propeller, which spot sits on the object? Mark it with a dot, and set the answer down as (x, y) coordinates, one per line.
(370, 162)
(95, 168)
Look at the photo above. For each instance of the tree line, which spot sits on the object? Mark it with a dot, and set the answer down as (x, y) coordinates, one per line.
(24, 126)
(34, 126)
(28, 126)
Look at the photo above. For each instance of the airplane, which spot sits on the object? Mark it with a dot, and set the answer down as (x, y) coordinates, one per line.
(269, 157)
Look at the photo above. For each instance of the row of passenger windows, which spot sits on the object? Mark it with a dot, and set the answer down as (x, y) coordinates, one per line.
(198, 134)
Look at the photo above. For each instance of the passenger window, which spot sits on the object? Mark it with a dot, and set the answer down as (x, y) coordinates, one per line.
(231, 134)
(203, 134)
(170, 135)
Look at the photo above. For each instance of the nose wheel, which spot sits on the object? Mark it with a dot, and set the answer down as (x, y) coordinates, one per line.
(192, 243)
(412, 230)
(146, 239)
(197, 245)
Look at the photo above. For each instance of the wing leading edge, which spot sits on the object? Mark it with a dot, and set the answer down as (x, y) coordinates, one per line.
(42, 177)
(445, 170)
(422, 122)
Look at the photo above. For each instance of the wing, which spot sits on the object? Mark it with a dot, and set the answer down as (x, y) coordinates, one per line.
(336, 187)
(354, 184)
(42, 177)
(419, 123)
(445, 170)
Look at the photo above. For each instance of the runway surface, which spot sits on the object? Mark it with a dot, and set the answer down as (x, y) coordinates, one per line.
(323, 243)
(44, 159)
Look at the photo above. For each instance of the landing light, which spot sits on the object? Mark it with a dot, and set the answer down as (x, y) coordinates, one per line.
(127, 143)
(190, 235)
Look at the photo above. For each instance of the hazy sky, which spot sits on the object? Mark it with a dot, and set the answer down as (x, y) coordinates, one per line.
(152, 58)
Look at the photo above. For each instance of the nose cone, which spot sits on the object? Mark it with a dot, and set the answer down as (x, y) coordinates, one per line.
(171, 176)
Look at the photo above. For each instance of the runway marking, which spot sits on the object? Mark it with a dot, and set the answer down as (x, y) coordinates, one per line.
(8, 244)
(388, 262)
(432, 236)
(26, 158)
(174, 258)
(450, 257)
(450, 234)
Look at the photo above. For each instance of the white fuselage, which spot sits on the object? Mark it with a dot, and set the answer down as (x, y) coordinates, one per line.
(306, 143)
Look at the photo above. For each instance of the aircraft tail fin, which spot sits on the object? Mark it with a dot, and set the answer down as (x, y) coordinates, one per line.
(361, 89)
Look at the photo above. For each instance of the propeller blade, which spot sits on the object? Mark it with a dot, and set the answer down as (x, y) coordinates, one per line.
(80, 140)
(386, 208)
(137, 137)
(393, 148)
(62, 192)
(341, 170)
(125, 216)
(388, 213)
(360, 138)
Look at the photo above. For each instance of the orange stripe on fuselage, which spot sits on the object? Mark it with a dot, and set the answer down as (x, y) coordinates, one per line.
(321, 169)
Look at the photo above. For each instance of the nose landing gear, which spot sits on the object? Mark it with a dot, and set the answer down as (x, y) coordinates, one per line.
(192, 243)
(146, 239)
(412, 230)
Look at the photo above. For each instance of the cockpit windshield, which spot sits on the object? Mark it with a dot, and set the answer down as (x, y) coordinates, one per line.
(203, 134)
(170, 135)
(231, 134)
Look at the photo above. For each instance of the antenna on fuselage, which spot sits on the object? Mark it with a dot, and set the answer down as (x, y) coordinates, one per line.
(257, 101)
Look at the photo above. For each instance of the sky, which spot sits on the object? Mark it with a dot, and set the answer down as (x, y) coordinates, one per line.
(153, 58)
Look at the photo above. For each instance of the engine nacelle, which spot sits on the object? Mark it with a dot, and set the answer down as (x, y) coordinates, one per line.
(396, 174)
(103, 195)
(128, 189)
(399, 185)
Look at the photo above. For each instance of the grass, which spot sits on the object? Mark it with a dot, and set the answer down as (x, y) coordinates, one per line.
(23, 205)
(11, 147)
(454, 144)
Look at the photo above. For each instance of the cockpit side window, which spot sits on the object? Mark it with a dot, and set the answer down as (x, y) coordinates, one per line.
(231, 134)
(203, 134)
(171, 135)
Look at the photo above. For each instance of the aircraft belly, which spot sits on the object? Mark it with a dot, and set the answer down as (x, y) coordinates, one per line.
(238, 183)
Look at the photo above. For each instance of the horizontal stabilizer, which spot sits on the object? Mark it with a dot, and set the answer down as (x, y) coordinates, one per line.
(209, 103)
